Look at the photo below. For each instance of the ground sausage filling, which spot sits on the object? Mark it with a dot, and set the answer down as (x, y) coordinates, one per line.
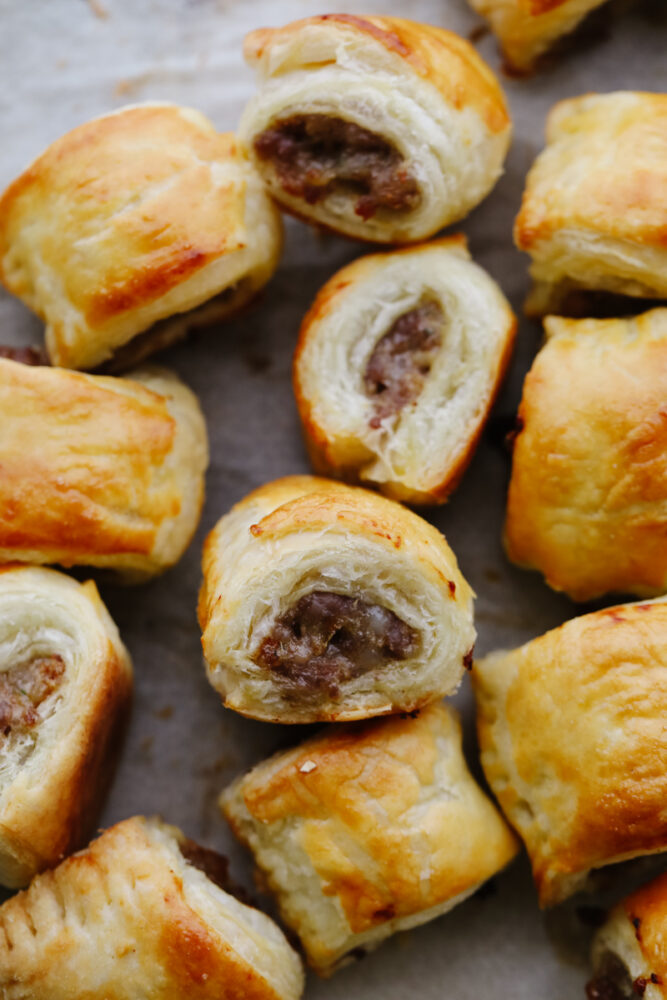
(402, 358)
(313, 155)
(23, 689)
(612, 981)
(25, 355)
(326, 639)
(214, 866)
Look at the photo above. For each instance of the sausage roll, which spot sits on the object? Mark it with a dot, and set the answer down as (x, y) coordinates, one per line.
(630, 949)
(375, 127)
(367, 830)
(65, 682)
(587, 501)
(99, 471)
(398, 363)
(594, 212)
(527, 28)
(132, 218)
(325, 602)
(142, 912)
(574, 744)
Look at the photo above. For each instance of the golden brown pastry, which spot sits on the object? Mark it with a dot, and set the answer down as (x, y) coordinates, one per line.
(142, 912)
(65, 682)
(325, 602)
(630, 949)
(367, 830)
(594, 212)
(99, 471)
(527, 28)
(144, 214)
(574, 744)
(398, 363)
(376, 127)
(587, 502)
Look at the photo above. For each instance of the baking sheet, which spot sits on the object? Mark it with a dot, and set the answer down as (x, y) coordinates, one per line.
(65, 61)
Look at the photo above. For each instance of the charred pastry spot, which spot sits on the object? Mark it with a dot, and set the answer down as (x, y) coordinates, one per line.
(612, 981)
(326, 639)
(385, 913)
(511, 436)
(25, 355)
(315, 155)
(636, 923)
(452, 588)
(214, 866)
(414, 714)
(23, 689)
(401, 360)
(468, 658)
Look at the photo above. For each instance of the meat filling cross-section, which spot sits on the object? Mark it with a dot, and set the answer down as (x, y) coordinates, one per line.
(612, 982)
(314, 155)
(23, 689)
(402, 358)
(326, 639)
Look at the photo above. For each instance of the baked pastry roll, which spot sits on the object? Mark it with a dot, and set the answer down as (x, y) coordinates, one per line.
(629, 954)
(594, 213)
(65, 682)
(527, 28)
(375, 127)
(99, 471)
(142, 912)
(367, 830)
(398, 363)
(144, 214)
(325, 602)
(574, 745)
(587, 503)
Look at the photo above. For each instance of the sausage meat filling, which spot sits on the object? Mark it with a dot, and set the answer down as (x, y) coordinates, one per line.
(23, 689)
(214, 866)
(402, 358)
(326, 639)
(611, 982)
(313, 155)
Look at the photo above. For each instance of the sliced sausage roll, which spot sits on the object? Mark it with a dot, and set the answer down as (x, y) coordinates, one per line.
(364, 831)
(398, 363)
(142, 912)
(141, 215)
(65, 682)
(594, 212)
(629, 951)
(322, 601)
(99, 471)
(527, 28)
(587, 503)
(574, 744)
(375, 127)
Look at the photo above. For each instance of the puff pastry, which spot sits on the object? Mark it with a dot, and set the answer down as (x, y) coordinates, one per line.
(322, 601)
(144, 214)
(65, 682)
(398, 364)
(375, 127)
(527, 28)
(367, 830)
(629, 955)
(587, 503)
(594, 212)
(573, 742)
(137, 915)
(99, 471)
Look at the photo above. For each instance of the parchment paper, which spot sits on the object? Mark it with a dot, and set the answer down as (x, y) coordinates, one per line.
(65, 61)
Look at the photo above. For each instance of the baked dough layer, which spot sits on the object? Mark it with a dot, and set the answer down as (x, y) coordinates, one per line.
(421, 89)
(587, 502)
(304, 535)
(136, 216)
(418, 453)
(573, 742)
(367, 830)
(129, 917)
(99, 471)
(54, 768)
(594, 212)
(527, 28)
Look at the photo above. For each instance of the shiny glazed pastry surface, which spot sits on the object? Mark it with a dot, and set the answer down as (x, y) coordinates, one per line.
(141, 215)
(367, 830)
(99, 471)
